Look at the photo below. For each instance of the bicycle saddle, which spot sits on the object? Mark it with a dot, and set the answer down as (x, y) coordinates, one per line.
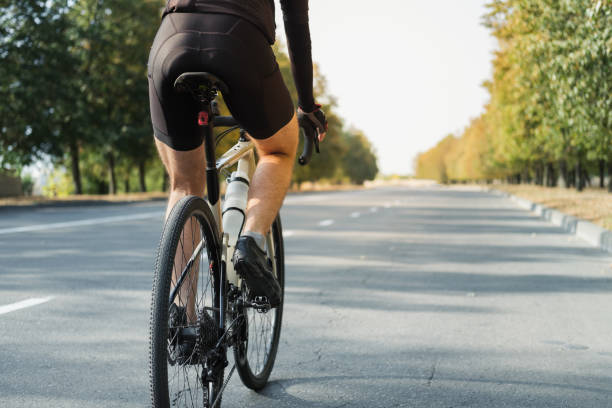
(199, 84)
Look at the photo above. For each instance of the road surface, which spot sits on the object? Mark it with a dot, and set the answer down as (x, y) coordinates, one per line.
(396, 297)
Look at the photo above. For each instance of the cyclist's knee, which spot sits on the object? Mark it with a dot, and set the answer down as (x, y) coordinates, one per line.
(185, 169)
(282, 143)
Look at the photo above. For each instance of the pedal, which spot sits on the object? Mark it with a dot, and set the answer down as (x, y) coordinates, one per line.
(261, 304)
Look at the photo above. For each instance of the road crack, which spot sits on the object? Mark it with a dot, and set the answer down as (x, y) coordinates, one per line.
(432, 374)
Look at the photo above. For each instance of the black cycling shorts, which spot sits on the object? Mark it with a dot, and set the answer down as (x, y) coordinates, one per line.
(229, 47)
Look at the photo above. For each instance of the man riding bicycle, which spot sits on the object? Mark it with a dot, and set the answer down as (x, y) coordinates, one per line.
(232, 39)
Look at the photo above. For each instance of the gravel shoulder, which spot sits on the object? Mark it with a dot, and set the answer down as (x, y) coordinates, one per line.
(592, 205)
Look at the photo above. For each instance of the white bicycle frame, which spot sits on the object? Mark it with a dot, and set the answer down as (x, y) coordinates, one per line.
(243, 154)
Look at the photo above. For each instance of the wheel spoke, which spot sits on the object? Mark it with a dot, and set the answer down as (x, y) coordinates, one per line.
(262, 328)
(191, 282)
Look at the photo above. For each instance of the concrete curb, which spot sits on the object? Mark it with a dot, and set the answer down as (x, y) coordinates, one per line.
(591, 233)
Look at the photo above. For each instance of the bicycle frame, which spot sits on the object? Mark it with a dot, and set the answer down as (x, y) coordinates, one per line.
(228, 296)
(243, 154)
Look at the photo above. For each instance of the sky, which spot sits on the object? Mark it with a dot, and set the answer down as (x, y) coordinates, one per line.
(405, 72)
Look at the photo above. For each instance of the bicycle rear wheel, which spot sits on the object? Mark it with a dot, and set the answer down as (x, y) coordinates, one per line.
(185, 308)
(256, 351)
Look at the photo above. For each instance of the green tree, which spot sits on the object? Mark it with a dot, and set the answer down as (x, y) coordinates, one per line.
(359, 160)
(115, 41)
(551, 99)
(37, 88)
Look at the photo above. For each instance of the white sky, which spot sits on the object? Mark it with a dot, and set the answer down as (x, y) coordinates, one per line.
(406, 72)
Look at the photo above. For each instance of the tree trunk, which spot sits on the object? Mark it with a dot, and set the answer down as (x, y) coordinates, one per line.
(102, 187)
(564, 173)
(112, 180)
(539, 174)
(602, 173)
(126, 180)
(610, 175)
(586, 176)
(141, 176)
(570, 178)
(579, 175)
(526, 176)
(551, 175)
(76, 171)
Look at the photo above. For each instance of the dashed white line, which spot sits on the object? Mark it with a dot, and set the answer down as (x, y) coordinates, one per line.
(373, 209)
(326, 223)
(355, 214)
(289, 233)
(23, 304)
(80, 223)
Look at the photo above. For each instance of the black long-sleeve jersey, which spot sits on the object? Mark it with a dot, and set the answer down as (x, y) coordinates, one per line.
(261, 14)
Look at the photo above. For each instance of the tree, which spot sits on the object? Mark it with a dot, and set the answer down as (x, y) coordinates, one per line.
(551, 96)
(359, 161)
(432, 164)
(116, 38)
(36, 80)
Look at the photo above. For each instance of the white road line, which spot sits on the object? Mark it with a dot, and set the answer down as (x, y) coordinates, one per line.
(355, 214)
(326, 223)
(287, 234)
(23, 304)
(80, 223)
(299, 198)
(373, 209)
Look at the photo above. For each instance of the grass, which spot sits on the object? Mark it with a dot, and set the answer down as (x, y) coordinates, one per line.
(34, 200)
(131, 197)
(594, 205)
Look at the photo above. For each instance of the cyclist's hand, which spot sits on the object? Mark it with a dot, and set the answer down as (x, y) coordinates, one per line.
(314, 120)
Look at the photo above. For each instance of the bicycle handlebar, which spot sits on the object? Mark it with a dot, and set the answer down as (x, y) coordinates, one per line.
(311, 140)
(311, 137)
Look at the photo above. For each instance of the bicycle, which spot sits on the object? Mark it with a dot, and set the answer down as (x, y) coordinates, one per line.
(200, 307)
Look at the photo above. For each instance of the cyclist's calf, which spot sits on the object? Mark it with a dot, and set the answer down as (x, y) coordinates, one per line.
(186, 172)
(272, 177)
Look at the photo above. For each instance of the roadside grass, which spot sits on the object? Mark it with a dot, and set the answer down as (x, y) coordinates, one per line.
(594, 205)
(35, 200)
(133, 197)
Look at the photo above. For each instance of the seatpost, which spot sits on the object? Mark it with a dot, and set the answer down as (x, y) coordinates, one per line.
(205, 119)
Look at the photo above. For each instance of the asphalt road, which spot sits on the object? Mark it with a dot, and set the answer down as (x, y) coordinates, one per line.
(396, 297)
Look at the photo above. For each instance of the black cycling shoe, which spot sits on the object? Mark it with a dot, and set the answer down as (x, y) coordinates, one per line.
(251, 263)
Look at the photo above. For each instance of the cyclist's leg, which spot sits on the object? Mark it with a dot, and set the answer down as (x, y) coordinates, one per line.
(186, 171)
(183, 44)
(272, 177)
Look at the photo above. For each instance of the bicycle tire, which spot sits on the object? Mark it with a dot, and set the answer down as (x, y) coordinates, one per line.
(250, 373)
(165, 368)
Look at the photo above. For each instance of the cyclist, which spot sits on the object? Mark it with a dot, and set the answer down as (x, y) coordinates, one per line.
(232, 39)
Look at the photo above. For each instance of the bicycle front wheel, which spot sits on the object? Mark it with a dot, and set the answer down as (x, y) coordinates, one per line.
(185, 308)
(256, 351)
